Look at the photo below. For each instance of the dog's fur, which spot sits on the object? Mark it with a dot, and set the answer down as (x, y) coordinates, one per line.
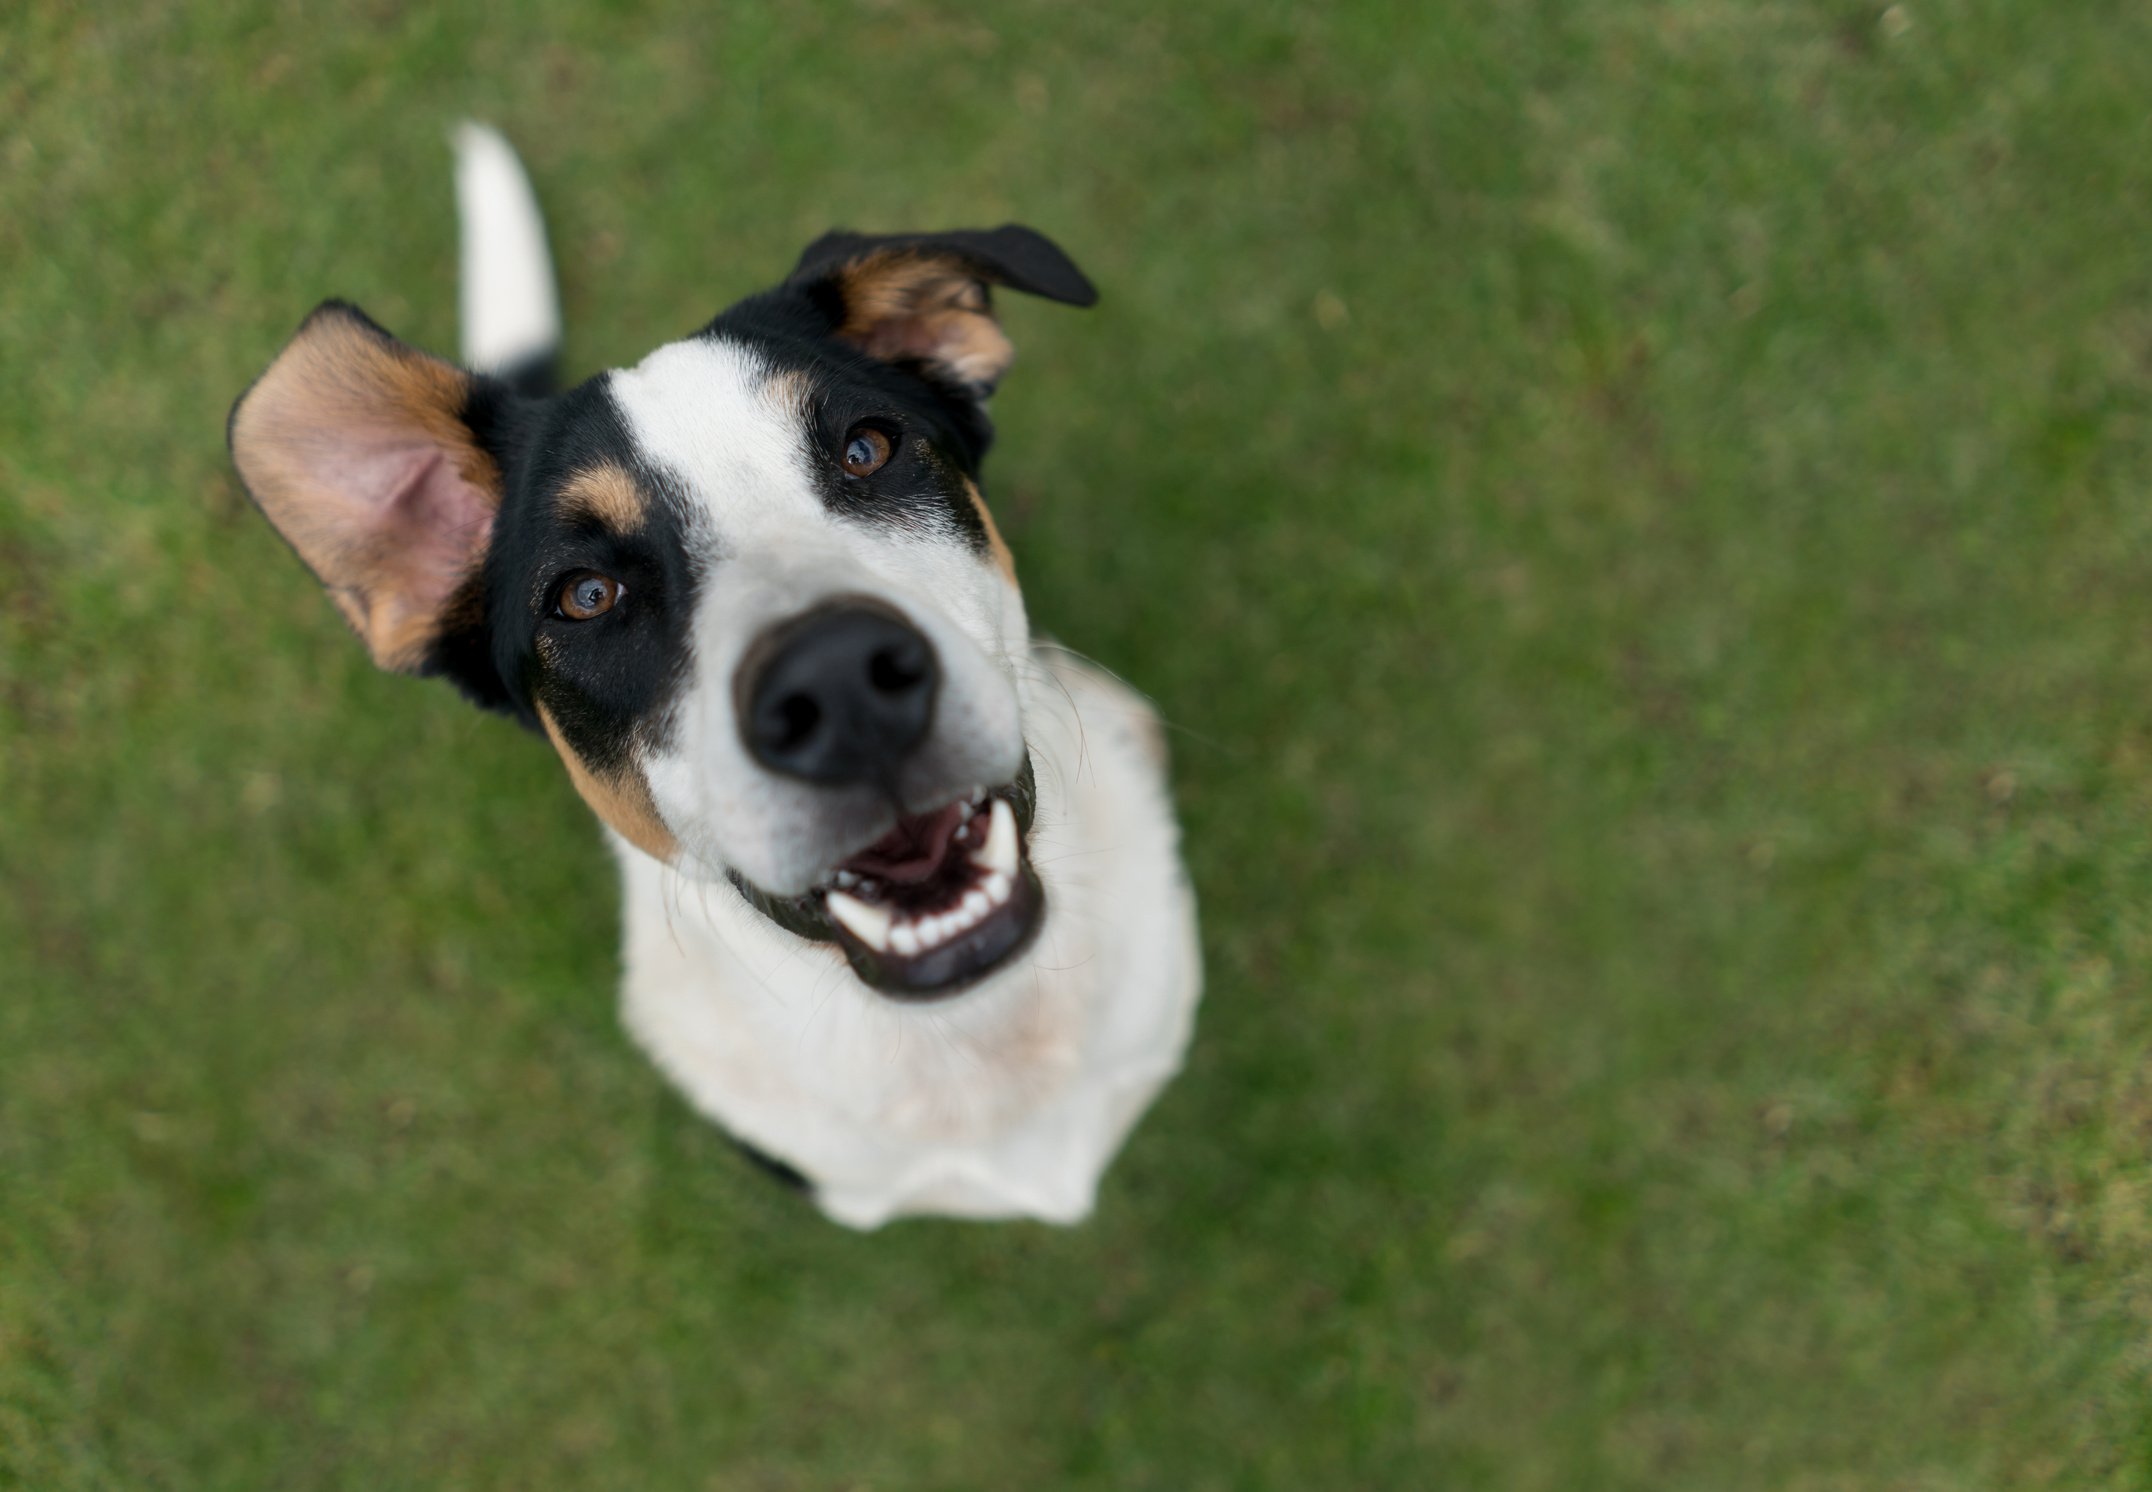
(612, 566)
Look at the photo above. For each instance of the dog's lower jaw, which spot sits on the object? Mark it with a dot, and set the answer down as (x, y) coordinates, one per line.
(1008, 1099)
(983, 878)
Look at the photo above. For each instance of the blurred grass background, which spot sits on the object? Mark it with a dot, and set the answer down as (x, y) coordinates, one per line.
(1639, 512)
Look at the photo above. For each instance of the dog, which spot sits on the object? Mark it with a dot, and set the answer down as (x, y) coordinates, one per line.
(904, 905)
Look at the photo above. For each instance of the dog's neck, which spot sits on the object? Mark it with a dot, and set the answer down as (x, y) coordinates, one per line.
(1006, 1100)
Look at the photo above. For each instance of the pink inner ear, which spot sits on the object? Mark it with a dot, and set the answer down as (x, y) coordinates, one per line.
(907, 337)
(969, 344)
(437, 521)
(395, 530)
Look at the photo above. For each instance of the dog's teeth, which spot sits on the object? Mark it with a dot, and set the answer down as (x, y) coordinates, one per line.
(963, 831)
(913, 936)
(847, 879)
(868, 924)
(999, 853)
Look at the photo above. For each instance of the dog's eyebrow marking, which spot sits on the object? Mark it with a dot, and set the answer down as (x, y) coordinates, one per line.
(788, 389)
(622, 799)
(608, 494)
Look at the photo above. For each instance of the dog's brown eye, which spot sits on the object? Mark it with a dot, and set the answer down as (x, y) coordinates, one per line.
(586, 594)
(865, 450)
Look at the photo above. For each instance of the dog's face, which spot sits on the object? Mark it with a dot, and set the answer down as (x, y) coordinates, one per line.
(748, 588)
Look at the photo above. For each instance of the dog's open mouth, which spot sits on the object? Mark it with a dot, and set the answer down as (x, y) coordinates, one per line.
(941, 900)
(936, 902)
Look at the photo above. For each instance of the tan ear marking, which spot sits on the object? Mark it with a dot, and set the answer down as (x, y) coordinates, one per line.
(901, 304)
(354, 446)
(622, 799)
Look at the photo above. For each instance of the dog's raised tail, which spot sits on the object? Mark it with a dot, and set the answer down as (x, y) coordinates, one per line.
(511, 311)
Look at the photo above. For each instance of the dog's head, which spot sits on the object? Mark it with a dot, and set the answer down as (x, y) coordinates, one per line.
(748, 588)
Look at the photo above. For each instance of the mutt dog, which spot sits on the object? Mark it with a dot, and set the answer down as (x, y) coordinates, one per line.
(905, 911)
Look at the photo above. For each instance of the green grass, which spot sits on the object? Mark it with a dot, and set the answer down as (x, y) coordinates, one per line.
(1642, 513)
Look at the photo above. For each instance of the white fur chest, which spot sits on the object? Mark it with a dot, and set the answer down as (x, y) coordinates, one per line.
(1008, 1100)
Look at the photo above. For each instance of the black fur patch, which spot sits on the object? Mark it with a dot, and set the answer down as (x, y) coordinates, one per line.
(604, 681)
(770, 1166)
(1012, 255)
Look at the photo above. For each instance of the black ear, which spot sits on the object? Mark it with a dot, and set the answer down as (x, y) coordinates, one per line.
(923, 297)
(1012, 255)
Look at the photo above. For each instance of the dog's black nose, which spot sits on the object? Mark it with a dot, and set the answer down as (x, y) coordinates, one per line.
(839, 695)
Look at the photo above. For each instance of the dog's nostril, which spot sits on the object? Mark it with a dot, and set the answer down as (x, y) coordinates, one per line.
(840, 695)
(797, 716)
(896, 670)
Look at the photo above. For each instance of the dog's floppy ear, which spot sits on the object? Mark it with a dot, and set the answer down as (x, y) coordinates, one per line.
(361, 452)
(923, 298)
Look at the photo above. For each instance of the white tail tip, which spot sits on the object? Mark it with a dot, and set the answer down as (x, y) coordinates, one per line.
(511, 312)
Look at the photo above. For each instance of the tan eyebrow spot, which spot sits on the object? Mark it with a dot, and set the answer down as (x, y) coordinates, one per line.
(621, 799)
(607, 494)
(1003, 560)
(788, 389)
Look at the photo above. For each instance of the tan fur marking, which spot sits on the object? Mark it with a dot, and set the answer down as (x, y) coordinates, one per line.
(336, 375)
(607, 494)
(622, 801)
(788, 390)
(1003, 560)
(913, 305)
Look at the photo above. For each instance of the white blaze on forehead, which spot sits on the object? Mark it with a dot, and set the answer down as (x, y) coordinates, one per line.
(710, 413)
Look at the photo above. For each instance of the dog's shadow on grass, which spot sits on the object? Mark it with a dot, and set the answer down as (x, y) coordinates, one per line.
(708, 1192)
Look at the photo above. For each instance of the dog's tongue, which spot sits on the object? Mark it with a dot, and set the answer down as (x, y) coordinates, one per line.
(913, 850)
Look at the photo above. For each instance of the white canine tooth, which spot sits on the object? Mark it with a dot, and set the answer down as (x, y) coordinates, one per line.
(976, 905)
(997, 888)
(1000, 851)
(868, 924)
(963, 831)
(847, 879)
(904, 939)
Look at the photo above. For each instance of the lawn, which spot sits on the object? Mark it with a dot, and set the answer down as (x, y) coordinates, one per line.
(1638, 515)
